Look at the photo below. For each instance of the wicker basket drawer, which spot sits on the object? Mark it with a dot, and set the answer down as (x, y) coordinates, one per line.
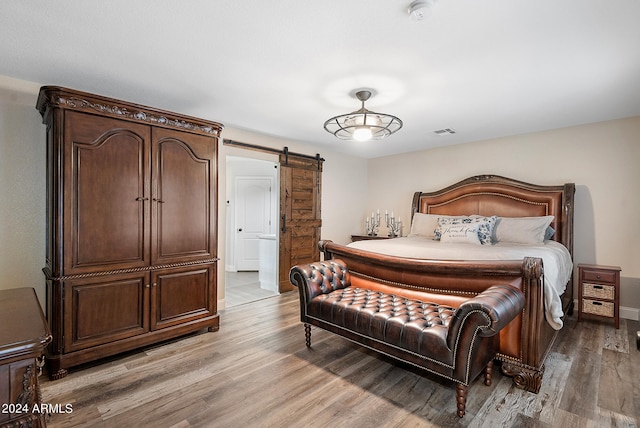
(604, 309)
(599, 291)
(599, 275)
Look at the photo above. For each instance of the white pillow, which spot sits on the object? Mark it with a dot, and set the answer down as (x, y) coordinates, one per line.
(522, 230)
(425, 224)
(461, 233)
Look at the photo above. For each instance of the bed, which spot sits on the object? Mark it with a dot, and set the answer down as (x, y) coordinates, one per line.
(541, 268)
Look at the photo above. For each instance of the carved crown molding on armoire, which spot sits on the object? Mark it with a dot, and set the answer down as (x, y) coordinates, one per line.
(55, 96)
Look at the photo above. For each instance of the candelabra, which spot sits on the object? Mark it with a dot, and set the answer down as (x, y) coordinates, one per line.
(372, 224)
(395, 227)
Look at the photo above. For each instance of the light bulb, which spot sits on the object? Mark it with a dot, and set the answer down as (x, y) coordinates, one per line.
(362, 133)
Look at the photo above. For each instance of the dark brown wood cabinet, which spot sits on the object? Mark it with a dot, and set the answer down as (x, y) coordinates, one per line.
(23, 337)
(131, 225)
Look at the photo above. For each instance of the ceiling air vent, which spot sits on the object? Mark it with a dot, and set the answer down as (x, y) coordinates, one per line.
(445, 131)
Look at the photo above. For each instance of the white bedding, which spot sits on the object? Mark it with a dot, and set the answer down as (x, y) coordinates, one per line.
(555, 257)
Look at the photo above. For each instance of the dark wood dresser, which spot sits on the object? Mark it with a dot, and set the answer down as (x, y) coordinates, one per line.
(24, 336)
(131, 225)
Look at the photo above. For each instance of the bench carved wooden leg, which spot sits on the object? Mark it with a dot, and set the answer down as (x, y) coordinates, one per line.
(488, 372)
(461, 398)
(307, 334)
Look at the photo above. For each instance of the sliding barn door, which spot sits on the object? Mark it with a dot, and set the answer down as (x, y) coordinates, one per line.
(300, 222)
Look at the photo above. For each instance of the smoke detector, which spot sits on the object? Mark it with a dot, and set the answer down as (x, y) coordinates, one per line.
(419, 9)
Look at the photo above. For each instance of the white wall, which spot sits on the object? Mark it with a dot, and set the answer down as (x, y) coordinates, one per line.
(344, 187)
(23, 187)
(600, 158)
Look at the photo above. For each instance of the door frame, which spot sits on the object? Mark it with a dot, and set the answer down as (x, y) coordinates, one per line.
(229, 251)
(272, 216)
(266, 153)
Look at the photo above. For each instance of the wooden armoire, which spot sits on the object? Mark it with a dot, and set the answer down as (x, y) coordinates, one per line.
(131, 225)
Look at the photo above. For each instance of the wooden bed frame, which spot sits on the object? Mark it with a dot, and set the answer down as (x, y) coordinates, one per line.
(526, 341)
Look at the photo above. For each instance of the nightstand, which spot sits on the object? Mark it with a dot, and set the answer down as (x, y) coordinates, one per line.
(355, 238)
(599, 292)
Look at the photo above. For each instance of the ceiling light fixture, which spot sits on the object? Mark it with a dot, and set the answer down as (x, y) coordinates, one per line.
(363, 124)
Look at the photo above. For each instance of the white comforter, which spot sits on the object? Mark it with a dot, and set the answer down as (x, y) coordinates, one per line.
(555, 257)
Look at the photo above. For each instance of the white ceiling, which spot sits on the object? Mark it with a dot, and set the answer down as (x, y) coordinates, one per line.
(486, 68)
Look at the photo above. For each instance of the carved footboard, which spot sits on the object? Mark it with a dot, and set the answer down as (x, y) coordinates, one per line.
(524, 343)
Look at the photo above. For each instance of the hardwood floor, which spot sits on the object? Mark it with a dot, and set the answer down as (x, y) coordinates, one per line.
(257, 372)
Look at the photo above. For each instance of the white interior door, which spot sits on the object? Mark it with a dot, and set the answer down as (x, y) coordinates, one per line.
(253, 214)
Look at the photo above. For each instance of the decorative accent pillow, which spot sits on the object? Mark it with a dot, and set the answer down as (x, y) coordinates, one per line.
(461, 232)
(548, 234)
(485, 226)
(522, 230)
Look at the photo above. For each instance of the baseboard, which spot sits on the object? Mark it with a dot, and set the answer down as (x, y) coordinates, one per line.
(625, 312)
(630, 313)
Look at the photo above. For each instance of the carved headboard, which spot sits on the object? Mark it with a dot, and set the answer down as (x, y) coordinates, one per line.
(494, 195)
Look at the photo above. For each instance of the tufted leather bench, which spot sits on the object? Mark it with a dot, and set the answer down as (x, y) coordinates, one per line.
(456, 343)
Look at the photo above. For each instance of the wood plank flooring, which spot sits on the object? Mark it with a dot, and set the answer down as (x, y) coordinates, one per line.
(257, 372)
